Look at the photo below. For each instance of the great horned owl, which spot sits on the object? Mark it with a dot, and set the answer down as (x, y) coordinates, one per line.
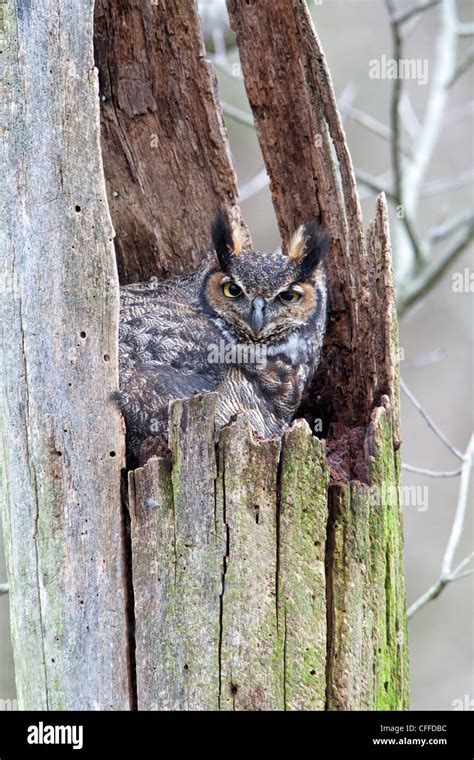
(245, 324)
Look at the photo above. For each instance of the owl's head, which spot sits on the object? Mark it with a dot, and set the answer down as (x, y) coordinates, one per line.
(265, 296)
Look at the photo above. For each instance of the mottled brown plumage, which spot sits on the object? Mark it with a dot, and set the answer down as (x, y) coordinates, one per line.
(245, 324)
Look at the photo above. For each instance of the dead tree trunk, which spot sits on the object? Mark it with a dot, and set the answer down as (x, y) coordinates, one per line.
(61, 438)
(264, 575)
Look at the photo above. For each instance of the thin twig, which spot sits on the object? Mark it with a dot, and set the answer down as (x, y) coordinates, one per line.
(424, 360)
(463, 564)
(431, 424)
(456, 577)
(229, 69)
(373, 125)
(462, 67)
(398, 181)
(236, 113)
(447, 574)
(425, 144)
(404, 16)
(346, 99)
(427, 279)
(443, 231)
(394, 104)
(254, 185)
(431, 473)
(460, 515)
(440, 185)
(409, 118)
(374, 184)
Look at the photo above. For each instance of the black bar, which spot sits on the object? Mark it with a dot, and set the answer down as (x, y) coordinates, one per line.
(164, 735)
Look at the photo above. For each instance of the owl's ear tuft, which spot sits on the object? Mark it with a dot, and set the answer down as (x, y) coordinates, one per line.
(309, 246)
(225, 238)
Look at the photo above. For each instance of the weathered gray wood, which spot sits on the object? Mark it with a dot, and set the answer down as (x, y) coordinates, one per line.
(178, 549)
(251, 654)
(301, 573)
(228, 568)
(61, 437)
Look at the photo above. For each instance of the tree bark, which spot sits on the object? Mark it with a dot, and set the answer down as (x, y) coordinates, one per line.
(167, 161)
(61, 438)
(228, 568)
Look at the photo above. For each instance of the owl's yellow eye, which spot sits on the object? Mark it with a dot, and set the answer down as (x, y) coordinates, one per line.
(289, 296)
(231, 290)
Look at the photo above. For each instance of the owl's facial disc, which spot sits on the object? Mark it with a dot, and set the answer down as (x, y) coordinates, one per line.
(265, 296)
(258, 314)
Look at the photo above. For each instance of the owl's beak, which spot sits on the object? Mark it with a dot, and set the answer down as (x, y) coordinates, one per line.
(257, 314)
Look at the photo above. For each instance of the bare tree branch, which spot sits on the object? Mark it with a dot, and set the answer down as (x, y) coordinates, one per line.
(431, 473)
(374, 183)
(411, 254)
(447, 574)
(436, 105)
(236, 113)
(440, 185)
(462, 67)
(395, 100)
(409, 117)
(404, 16)
(231, 70)
(460, 515)
(416, 252)
(373, 125)
(254, 185)
(431, 424)
(443, 231)
(457, 576)
(425, 360)
(457, 571)
(427, 279)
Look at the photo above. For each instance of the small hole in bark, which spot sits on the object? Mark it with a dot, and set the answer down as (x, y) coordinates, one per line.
(106, 358)
(112, 453)
(59, 453)
(186, 667)
(386, 685)
(78, 209)
(233, 688)
(255, 510)
(83, 334)
(312, 672)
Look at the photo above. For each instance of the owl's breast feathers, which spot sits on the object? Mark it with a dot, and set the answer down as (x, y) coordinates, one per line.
(169, 347)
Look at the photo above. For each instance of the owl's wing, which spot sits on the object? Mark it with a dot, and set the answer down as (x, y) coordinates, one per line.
(164, 343)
